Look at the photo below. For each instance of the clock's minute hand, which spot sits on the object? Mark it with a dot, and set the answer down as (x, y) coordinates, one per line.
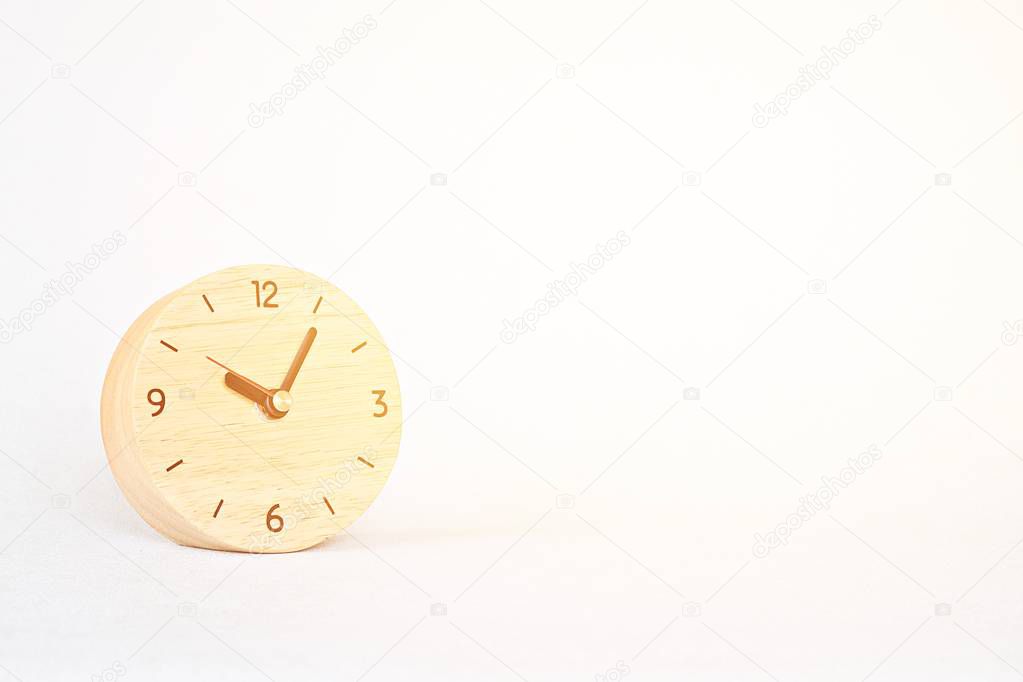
(296, 363)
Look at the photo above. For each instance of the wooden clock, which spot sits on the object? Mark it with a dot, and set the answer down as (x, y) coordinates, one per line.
(254, 410)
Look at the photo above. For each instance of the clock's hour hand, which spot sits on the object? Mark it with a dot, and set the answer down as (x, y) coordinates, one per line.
(250, 389)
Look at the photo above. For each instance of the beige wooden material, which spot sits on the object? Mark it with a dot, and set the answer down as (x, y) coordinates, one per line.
(213, 469)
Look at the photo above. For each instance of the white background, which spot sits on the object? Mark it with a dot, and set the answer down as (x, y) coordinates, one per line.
(556, 126)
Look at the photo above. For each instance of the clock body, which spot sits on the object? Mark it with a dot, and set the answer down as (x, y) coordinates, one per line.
(204, 459)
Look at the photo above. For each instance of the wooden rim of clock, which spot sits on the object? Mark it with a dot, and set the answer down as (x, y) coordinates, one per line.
(119, 436)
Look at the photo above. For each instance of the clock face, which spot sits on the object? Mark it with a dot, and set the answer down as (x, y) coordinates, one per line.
(256, 409)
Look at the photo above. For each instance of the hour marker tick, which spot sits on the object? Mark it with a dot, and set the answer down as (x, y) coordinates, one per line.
(359, 347)
(318, 302)
(327, 502)
(367, 463)
(208, 304)
(217, 511)
(168, 345)
(177, 463)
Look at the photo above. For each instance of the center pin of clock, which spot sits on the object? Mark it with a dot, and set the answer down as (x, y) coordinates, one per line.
(281, 401)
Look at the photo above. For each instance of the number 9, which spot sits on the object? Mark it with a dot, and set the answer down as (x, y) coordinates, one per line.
(159, 404)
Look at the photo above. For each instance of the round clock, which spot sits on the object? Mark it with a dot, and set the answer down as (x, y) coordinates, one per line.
(254, 410)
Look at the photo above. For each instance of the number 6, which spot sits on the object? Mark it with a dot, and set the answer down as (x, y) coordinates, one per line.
(274, 523)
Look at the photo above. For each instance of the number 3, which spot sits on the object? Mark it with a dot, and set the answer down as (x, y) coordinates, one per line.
(381, 403)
